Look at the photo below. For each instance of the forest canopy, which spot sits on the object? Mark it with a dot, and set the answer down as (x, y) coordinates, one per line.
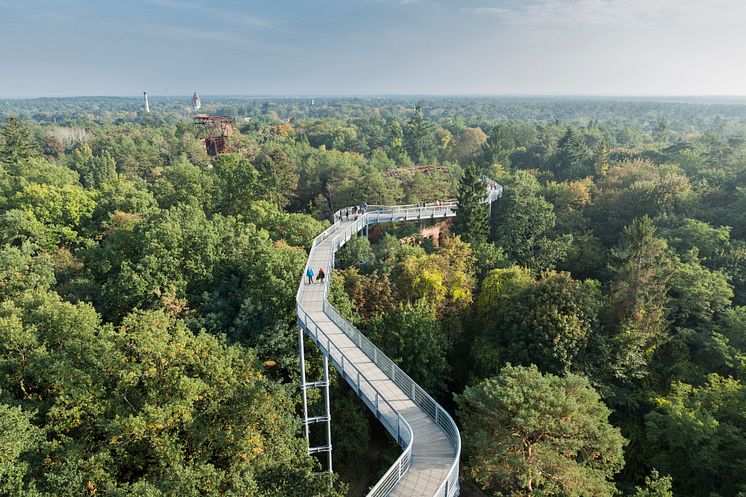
(587, 330)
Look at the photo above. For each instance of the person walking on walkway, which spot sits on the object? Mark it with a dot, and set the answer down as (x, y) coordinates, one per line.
(309, 274)
(321, 276)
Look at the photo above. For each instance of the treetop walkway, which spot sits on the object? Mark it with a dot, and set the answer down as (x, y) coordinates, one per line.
(430, 439)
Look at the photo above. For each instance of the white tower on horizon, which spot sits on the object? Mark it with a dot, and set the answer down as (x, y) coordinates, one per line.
(196, 102)
(145, 97)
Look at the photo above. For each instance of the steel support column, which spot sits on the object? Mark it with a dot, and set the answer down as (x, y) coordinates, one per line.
(328, 412)
(327, 416)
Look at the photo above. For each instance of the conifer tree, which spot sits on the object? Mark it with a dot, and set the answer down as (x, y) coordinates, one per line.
(472, 221)
(17, 144)
(572, 160)
(418, 133)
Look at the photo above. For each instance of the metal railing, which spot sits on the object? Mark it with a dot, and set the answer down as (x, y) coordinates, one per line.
(394, 422)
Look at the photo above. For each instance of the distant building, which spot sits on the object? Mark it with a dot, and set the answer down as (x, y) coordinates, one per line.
(145, 97)
(214, 132)
(196, 102)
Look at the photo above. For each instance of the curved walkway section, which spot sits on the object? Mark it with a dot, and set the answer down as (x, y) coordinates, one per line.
(429, 463)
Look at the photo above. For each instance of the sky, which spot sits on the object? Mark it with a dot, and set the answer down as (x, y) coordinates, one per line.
(373, 47)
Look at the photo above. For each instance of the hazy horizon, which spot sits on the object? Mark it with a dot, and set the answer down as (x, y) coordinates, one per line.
(537, 96)
(531, 48)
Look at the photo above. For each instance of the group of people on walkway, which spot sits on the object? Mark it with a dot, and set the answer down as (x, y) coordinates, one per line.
(319, 276)
(351, 213)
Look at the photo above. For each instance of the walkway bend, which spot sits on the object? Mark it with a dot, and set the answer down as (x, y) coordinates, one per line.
(430, 439)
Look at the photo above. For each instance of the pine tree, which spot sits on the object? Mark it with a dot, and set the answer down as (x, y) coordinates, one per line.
(472, 222)
(17, 145)
(572, 160)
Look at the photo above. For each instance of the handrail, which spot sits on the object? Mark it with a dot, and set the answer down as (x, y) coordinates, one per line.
(381, 214)
(402, 430)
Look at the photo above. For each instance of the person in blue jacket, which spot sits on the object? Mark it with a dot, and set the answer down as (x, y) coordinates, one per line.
(309, 274)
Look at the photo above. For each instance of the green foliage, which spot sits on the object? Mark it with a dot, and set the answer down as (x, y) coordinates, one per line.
(444, 279)
(297, 230)
(126, 211)
(601, 160)
(531, 434)
(697, 294)
(468, 145)
(411, 337)
(696, 435)
(357, 251)
(547, 322)
(236, 183)
(122, 198)
(19, 440)
(419, 140)
(17, 144)
(277, 177)
(369, 295)
(185, 183)
(94, 171)
(572, 160)
(149, 404)
(21, 269)
(339, 298)
(39, 170)
(655, 486)
(498, 147)
(523, 224)
(63, 211)
(488, 256)
(18, 227)
(472, 222)
(638, 299)
(636, 188)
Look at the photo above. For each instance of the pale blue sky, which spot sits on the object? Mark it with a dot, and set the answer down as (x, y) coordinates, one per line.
(333, 47)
